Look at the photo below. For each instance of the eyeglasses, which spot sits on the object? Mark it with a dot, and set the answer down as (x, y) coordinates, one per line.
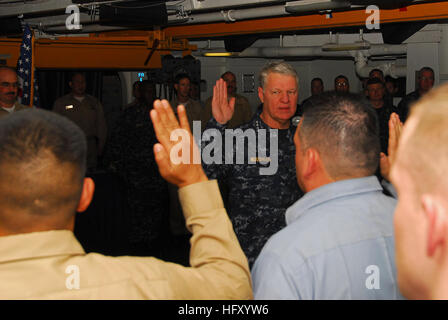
(9, 84)
(341, 84)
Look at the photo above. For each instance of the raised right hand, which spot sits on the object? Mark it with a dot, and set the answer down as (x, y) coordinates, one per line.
(386, 161)
(222, 107)
(165, 123)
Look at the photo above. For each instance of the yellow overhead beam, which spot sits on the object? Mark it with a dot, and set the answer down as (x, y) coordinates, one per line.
(142, 51)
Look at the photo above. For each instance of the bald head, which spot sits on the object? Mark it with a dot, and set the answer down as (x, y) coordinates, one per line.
(423, 149)
(421, 216)
(44, 155)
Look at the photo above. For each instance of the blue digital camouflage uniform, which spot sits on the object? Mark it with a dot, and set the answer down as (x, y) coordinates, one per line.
(383, 114)
(406, 103)
(256, 203)
(130, 154)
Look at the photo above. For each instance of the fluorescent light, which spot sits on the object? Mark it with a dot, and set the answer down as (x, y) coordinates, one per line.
(217, 54)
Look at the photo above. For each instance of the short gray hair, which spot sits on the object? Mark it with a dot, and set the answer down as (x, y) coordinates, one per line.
(277, 67)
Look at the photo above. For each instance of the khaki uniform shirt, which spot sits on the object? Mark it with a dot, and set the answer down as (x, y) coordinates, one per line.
(89, 116)
(241, 115)
(194, 113)
(53, 265)
(193, 108)
(18, 107)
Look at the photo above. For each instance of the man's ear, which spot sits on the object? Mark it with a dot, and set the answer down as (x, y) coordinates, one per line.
(88, 188)
(311, 163)
(436, 215)
(176, 86)
(70, 84)
(260, 94)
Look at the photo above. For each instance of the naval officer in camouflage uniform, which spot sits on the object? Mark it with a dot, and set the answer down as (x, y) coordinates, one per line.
(129, 153)
(87, 112)
(256, 202)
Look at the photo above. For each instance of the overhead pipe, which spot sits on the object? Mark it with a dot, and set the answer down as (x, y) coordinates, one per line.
(217, 4)
(233, 15)
(303, 7)
(85, 29)
(361, 56)
(60, 20)
(387, 49)
(316, 51)
(388, 68)
(219, 16)
(277, 52)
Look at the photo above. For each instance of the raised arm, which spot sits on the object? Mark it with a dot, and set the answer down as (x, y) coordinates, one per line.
(386, 161)
(222, 106)
(181, 173)
(219, 268)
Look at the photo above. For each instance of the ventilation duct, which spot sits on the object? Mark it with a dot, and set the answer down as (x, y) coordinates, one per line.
(396, 33)
(239, 43)
(133, 13)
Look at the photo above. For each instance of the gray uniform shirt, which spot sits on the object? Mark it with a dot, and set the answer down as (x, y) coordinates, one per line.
(338, 244)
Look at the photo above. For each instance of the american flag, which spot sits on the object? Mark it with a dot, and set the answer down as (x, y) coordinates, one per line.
(25, 71)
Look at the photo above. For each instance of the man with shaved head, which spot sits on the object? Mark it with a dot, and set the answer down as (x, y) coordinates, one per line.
(421, 218)
(338, 242)
(43, 184)
(9, 87)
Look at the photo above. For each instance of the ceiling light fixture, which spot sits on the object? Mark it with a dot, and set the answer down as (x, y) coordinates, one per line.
(217, 54)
